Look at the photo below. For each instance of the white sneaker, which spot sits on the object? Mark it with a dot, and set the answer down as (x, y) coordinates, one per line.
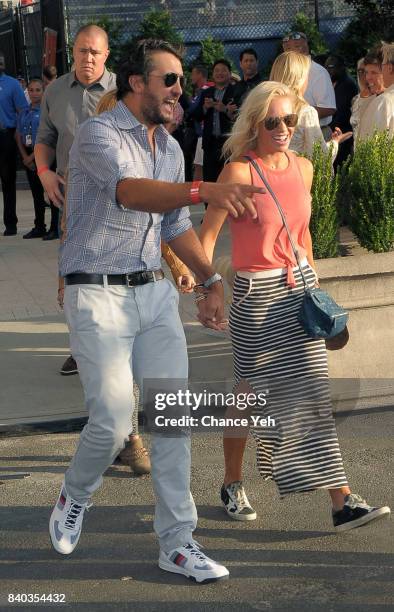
(189, 561)
(65, 523)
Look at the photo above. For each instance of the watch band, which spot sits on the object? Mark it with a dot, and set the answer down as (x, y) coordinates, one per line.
(195, 192)
(212, 279)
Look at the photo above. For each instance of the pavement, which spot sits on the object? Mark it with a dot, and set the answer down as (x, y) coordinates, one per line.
(289, 559)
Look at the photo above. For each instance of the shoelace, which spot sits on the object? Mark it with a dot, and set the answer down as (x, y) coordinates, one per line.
(194, 548)
(73, 514)
(237, 491)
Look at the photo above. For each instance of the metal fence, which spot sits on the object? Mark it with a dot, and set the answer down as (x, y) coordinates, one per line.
(236, 23)
(22, 36)
(189, 14)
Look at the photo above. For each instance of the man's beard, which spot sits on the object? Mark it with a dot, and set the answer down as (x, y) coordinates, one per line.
(152, 113)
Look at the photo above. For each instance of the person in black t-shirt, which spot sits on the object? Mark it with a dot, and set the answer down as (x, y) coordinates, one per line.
(249, 64)
(345, 90)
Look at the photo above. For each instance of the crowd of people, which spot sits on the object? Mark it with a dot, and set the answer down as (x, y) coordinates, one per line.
(103, 148)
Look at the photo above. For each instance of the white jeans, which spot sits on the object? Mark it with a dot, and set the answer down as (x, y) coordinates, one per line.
(116, 332)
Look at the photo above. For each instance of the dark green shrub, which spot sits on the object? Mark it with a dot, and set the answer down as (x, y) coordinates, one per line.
(370, 179)
(324, 224)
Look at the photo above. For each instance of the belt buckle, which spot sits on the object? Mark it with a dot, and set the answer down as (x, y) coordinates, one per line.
(129, 280)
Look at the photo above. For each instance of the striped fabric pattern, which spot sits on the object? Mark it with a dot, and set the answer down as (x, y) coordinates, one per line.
(273, 353)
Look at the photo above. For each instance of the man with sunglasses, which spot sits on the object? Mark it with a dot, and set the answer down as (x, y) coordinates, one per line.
(125, 193)
(320, 92)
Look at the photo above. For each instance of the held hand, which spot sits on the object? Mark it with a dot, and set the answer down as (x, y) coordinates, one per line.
(51, 183)
(185, 283)
(211, 309)
(235, 198)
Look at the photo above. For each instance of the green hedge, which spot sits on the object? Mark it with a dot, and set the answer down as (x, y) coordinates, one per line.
(369, 184)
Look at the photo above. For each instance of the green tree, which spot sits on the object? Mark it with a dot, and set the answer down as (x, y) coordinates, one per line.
(373, 22)
(155, 24)
(370, 188)
(324, 223)
(210, 51)
(303, 23)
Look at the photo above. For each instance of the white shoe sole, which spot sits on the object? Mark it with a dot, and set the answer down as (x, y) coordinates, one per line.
(377, 514)
(240, 517)
(176, 569)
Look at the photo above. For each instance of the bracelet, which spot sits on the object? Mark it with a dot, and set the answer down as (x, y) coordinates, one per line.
(42, 169)
(200, 297)
(195, 192)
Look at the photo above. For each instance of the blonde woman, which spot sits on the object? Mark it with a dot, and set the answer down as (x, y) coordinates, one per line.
(284, 371)
(292, 69)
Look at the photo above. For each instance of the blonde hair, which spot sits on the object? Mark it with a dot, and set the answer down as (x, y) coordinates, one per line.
(388, 53)
(107, 102)
(253, 111)
(292, 69)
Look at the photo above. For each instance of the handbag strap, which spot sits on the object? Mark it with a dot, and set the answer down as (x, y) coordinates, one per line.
(282, 214)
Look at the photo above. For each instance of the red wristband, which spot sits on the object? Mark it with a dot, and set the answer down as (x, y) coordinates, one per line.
(195, 192)
(42, 169)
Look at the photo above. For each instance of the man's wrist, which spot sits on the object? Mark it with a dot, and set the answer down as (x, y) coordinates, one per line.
(209, 282)
(42, 169)
(195, 196)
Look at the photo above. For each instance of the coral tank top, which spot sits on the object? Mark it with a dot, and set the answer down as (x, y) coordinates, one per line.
(264, 244)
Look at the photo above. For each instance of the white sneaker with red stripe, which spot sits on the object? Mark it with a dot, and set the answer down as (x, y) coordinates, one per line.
(189, 561)
(65, 524)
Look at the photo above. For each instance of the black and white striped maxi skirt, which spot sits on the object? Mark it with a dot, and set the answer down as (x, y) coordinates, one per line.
(273, 353)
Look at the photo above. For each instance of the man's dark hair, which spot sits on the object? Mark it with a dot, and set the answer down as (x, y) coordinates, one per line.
(222, 61)
(91, 27)
(50, 72)
(201, 69)
(248, 51)
(338, 60)
(140, 62)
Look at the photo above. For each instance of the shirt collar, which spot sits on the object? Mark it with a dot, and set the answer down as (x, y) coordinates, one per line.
(127, 121)
(104, 81)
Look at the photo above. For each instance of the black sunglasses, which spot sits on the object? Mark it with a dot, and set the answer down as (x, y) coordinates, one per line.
(271, 123)
(170, 78)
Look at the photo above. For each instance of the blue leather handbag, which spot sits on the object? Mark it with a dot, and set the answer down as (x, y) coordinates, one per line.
(319, 315)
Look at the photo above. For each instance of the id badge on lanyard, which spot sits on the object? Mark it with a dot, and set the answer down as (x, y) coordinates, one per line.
(29, 140)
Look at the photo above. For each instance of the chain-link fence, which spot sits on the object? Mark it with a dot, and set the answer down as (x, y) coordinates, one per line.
(237, 23)
(259, 16)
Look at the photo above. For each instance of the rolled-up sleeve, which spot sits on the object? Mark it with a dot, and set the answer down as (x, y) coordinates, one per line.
(177, 221)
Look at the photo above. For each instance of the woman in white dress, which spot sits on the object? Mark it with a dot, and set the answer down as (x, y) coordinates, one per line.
(292, 69)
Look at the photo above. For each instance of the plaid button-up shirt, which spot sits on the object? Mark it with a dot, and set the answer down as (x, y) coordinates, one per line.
(102, 236)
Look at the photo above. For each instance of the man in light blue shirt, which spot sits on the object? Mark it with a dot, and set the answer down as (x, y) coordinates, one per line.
(125, 191)
(12, 101)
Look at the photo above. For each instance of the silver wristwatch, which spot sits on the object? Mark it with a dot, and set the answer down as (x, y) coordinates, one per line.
(212, 279)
